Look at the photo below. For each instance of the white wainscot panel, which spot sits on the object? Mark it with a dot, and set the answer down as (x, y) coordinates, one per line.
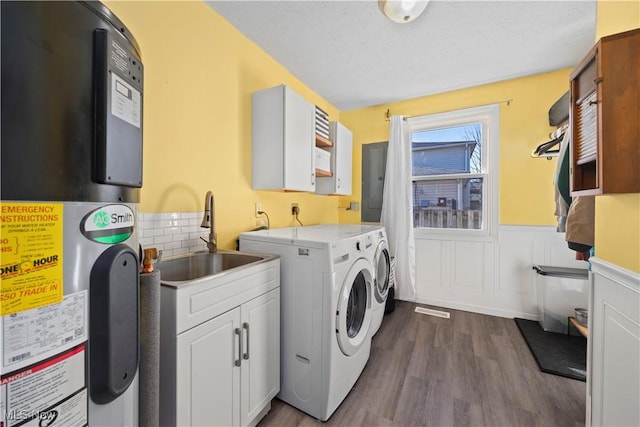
(613, 353)
(489, 276)
(430, 280)
(516, 267)
(557, 253)
(468, 265)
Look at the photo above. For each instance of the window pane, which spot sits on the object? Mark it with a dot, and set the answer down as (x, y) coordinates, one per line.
(448, 203)
(448, 150)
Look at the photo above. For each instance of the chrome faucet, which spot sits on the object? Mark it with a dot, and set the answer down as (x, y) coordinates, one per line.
(208, 221)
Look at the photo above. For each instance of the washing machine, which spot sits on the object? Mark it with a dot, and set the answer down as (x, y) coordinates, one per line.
(326, 289)
(376, 249)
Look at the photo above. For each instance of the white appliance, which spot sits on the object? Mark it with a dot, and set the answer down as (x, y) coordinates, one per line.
(376, 250)
(326, 290)
(71, 163)
(382, 270)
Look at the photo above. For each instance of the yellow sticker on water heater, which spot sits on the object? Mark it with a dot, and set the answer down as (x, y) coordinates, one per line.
(31, 269)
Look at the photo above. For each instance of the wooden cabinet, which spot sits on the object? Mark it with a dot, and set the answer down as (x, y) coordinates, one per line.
(220, 349)
(339, 183)
(613, 348)
(283, 140)
(605, 111)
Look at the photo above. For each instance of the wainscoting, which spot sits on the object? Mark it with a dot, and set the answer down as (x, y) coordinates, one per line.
(489, 276)
(613, 353)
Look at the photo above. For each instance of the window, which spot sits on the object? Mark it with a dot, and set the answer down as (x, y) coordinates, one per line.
(454, 170)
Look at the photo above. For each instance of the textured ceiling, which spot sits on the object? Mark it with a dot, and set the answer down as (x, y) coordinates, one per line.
(354, 57)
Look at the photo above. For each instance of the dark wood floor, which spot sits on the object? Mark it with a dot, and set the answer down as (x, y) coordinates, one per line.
(469, 370)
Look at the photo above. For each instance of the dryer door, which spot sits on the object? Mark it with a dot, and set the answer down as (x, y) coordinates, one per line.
(382, 268)
(353, 313)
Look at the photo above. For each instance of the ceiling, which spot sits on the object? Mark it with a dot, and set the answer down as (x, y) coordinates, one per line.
(354, 57)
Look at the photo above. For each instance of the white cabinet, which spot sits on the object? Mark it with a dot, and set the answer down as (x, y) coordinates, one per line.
(208, 381)
(613, 355)
(283, 140)
(339, 182)
(260, 373)
(220, 349)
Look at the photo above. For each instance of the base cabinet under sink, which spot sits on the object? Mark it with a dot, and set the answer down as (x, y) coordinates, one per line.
(226, 370)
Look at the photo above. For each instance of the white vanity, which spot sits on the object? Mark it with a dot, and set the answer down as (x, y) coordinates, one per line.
(220, 339)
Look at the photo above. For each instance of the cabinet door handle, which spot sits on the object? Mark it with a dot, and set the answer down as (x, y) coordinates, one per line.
(238, 332)
(245, 326)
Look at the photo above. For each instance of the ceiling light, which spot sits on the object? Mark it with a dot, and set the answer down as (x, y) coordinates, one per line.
(402, 11)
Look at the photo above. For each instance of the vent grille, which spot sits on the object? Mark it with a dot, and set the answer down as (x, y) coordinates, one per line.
(586, 148)
(322, 123)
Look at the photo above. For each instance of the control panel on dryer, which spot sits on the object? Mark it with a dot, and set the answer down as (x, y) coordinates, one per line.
(363, 243)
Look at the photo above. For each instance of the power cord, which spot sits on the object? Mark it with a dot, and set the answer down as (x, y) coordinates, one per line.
(268, 221)
(296, 211)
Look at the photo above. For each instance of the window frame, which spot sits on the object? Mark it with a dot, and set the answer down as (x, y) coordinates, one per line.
(489, 118)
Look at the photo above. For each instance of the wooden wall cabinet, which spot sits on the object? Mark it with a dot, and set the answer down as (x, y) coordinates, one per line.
(605, 117)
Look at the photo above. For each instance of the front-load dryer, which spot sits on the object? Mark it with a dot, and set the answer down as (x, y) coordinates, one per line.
(382, 272)
(326, 312)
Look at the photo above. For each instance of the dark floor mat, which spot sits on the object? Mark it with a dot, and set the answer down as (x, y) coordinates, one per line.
(558, 354)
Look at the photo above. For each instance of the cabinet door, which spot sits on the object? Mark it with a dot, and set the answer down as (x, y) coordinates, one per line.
(341, 157)
(208, 381)
(299, 141)
(261, 354)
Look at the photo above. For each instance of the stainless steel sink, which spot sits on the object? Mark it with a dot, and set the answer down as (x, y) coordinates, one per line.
(201, 264)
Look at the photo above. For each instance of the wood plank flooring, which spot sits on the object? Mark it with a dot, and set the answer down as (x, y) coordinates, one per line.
(469, 370)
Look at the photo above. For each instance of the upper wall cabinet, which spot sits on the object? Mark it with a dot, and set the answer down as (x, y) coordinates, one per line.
(605, 112)
(339, 181)
(283, 141)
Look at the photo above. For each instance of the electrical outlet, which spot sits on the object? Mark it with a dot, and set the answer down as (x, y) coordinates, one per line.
(294, 209)
(258, 209)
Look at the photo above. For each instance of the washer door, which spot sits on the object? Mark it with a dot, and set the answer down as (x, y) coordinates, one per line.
(382, 268)
(353, 314)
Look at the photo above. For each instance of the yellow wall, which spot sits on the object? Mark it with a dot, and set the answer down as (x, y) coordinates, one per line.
(525, 184)
(617, 238)
(199, 76)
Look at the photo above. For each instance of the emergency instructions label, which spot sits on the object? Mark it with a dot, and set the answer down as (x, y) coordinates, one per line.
(49, 393)
(31, 265)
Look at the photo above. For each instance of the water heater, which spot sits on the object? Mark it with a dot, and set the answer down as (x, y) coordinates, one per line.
(71, 153)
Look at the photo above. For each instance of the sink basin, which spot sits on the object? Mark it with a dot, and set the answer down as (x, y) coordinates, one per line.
(201, 264)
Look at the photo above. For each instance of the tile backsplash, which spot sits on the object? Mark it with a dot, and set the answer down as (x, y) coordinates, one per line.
(172, 233)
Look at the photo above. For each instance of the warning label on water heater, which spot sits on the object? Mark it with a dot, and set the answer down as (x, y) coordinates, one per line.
(31, 267)
(51, 392)
(42, 332)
